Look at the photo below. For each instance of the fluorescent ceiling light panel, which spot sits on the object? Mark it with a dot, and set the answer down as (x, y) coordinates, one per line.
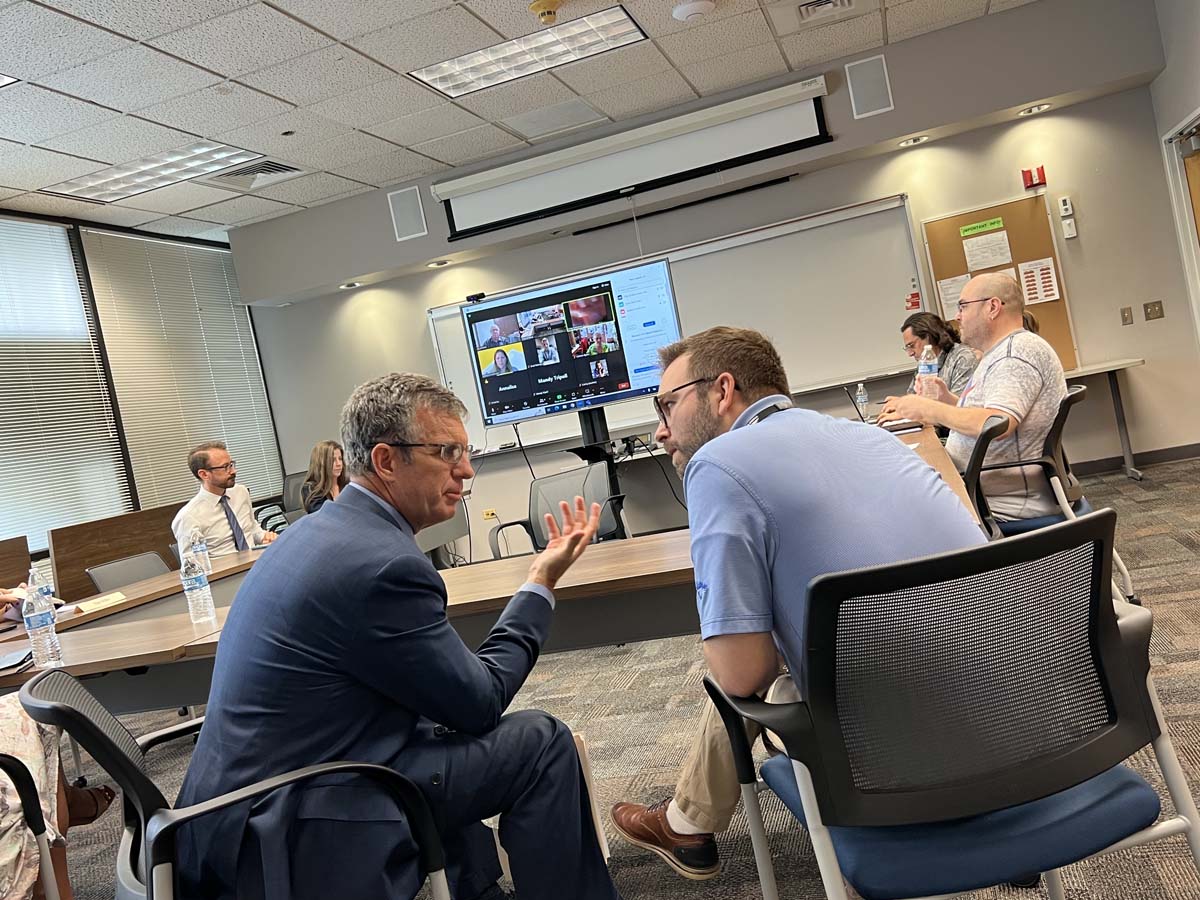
(5, 81)
(537, 52)
(160, 170)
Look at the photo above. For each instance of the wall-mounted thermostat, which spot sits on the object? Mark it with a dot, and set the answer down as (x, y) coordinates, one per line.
(1065, 208)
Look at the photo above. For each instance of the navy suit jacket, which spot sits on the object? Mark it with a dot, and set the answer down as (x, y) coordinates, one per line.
(337, 647)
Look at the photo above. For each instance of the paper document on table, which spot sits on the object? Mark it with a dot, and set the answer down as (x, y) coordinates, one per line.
(987, 251)
(950, 289)
(1039, 281)
(911, 446)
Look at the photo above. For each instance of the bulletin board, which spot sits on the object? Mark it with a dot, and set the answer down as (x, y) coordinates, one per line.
(1013, 236)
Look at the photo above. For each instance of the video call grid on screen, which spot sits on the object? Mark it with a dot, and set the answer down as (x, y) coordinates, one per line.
(566, 348)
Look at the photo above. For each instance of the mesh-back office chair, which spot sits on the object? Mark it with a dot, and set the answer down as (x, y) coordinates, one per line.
(966, 720)
(148, 843)
(992, 429)
(110, 576)
(545, 494)
(31, 809)
(292, 498)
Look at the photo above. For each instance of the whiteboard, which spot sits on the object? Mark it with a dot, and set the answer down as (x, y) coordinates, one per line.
(831, 290)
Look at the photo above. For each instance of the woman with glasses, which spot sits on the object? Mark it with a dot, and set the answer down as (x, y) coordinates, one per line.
(956, 361)
(326, 476)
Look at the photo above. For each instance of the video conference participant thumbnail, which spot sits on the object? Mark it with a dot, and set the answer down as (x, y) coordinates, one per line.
(536, 322)
(585, 311)
(595, 340)
(492, 333)
(502, 361)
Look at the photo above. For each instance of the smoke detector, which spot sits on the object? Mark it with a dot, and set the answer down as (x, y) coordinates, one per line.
(546, 10)
(693, 11)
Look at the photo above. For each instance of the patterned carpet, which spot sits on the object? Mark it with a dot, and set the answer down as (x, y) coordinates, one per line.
(636, 704)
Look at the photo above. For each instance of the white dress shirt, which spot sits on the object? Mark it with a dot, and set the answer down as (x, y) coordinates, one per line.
(204, 511)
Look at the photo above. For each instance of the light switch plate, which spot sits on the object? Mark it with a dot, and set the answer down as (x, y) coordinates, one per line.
(1068, 227)
(1153, 309)
(1126, 315)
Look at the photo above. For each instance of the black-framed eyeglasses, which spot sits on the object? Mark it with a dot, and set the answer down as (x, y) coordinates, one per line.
(910, 344)
(962, 303)
(663, 411)
(450, 453)
(227, 466)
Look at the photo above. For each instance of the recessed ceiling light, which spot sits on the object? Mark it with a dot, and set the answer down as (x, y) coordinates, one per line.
(913, 141)
(1034, 110)
(349, 285)
(537, 52)
(437, 264)
(5, 81)
(148, 173)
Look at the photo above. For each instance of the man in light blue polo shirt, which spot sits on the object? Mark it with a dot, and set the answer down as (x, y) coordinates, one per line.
(776, 496)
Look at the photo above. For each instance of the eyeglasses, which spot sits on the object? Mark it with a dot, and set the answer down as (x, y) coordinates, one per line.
(908, 346)
(450, 453)
(229, 465)
(663, 410)
(962, 303)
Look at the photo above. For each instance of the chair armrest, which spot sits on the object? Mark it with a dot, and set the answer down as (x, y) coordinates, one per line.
(791, 721)
(182, 729)
(494, 535)
(162, 826)
(616, 501)
(1136, 624)
(31, 802)
(1042, 462)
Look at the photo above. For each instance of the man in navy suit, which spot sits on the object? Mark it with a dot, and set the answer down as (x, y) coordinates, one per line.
(338, 648)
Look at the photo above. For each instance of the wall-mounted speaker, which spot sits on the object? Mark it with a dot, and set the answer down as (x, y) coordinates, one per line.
(408, 215)
(870, 90)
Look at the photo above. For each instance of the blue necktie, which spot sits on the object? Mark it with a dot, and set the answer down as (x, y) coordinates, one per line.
(239, 536)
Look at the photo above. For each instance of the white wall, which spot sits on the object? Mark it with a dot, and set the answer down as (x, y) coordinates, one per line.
(1104, 154)
(1177, 90)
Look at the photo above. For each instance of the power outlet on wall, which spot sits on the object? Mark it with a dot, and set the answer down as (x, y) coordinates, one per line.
(1126, 315)
(1153, 309)
(489, 514)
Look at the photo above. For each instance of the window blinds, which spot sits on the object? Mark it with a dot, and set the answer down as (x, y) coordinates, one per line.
(60, 451)
(184, 362)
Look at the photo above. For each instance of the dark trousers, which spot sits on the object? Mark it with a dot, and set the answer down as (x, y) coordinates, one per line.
(527, 771)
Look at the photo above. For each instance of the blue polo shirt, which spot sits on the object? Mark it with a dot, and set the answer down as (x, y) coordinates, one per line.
(774, 503)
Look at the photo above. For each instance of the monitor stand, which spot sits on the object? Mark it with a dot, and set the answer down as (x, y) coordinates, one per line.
(597, 447)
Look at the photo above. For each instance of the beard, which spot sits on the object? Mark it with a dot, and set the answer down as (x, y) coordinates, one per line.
(703, 428)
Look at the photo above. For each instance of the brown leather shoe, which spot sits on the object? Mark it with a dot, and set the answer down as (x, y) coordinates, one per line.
(693, 856)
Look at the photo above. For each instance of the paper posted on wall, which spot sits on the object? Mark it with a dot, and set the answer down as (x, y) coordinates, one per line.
(987, 251)
(1039, 281)
(949, 290)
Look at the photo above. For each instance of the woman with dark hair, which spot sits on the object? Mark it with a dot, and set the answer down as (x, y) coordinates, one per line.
(956, 361)
(501, 364)
(326, 476)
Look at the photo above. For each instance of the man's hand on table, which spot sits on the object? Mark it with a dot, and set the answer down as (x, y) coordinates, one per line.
(910, 406)
(567, 542)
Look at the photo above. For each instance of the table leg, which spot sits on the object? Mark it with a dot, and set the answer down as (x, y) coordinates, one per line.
(1122, 428)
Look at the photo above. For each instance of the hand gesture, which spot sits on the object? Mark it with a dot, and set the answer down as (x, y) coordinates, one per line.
(567, 542)
(910, 406)
(10, 598)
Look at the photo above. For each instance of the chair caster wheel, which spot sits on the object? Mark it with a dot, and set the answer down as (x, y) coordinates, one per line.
(80, 782)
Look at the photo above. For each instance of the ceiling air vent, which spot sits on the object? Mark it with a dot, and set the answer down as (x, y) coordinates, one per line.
(255, 175)
(791, 16)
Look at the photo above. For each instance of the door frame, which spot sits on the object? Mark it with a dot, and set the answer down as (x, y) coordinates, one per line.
(1186, 231)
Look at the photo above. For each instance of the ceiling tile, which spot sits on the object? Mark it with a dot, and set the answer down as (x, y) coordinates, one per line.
(30, 114)
(120, 140)
(179, 227)
(177, 198)
(717, 38)
(722, 73)
(379, 102)
(35, 41)
(391, 168)
(141, 20)
(656, 20)
(513, 19)
(239, 209)
(427, 39)
(131, 79)
(613, 67)
(516, 97)
(922, 16)
(310, 189)
(49, 205)
(657, 92)
(32, 168)
(350, 18)
(474, 143)
(216, 234)
(267, 136)
(553, 120)
(5, 193)
(222, 107)
(242, 41)
(361, 189)
(326, 73)
(819, 45)
(1001, 5)
(436, 122)
(346, 148)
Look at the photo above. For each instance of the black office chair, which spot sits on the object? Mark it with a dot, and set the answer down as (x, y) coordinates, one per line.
(146, 860)
(110, 576)
(292, 497)
(992, 429)
(966, 720)
(545, 494)
(31, 809)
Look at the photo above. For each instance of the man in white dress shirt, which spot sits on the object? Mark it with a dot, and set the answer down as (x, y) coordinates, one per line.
(221, 508)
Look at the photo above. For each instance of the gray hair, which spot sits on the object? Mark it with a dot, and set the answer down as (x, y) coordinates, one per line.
(383, 411)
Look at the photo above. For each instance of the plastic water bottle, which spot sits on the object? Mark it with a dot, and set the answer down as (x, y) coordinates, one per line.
(927, 372)
(861, 400)
(195, 588)
(198, 547)
(38, 612)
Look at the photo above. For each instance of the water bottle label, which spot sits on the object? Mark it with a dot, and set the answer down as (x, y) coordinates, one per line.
(39, 620)
(927, 368)
(195, 583)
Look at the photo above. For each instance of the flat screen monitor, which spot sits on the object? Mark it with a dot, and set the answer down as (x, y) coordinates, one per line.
(571, 345)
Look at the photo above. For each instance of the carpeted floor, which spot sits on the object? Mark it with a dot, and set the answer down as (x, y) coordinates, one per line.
(635, 705)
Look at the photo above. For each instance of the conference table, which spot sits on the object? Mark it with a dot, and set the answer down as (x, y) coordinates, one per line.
(143, 652)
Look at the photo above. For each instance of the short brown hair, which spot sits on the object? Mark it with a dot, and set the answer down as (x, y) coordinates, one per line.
(198, 458)
(747, 355)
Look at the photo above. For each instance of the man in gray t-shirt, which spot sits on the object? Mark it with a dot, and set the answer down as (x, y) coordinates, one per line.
(1019, 377)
